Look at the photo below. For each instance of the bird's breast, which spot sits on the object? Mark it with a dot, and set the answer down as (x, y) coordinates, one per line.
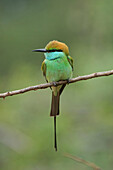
(58, 69)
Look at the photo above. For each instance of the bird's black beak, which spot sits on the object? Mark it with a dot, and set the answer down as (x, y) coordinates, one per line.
(40, 50)
(47, 51)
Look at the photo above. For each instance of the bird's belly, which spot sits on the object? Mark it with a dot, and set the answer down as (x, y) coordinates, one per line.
(58, 70)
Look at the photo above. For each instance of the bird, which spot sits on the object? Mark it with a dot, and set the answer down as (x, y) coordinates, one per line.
(57, 66)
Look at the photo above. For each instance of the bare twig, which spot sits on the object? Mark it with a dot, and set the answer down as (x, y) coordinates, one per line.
(43, 86)
(89, 164)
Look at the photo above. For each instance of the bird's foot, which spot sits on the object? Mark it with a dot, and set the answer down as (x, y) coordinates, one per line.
(68, 81)
(54, 83)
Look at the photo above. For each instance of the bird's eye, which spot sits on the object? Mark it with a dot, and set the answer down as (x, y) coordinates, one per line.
(55, 50)
(60, 50)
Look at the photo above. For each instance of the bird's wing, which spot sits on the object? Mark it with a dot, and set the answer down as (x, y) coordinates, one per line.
(70, 60)
(43, 68)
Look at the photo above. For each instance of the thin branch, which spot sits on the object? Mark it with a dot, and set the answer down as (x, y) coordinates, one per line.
(43, 86)
(89, 164)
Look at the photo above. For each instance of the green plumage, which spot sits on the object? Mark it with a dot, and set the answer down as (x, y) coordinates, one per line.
(57, 67)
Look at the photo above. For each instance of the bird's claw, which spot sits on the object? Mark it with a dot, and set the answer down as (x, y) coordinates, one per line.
(54, 83)
(68, 81)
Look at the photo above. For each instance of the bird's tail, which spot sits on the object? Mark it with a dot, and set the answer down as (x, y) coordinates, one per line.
(54, 112)
(55, 138)
(55, 104)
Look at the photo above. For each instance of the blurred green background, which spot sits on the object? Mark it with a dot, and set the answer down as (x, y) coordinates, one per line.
(85, 125)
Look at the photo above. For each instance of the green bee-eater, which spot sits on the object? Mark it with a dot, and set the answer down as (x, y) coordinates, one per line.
(58, 65)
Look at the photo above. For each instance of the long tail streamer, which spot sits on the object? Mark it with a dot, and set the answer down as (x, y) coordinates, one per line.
(55, 138)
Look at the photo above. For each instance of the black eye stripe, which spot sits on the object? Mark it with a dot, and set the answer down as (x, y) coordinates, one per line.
(54, 50)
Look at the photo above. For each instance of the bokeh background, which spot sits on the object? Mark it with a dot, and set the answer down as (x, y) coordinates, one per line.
(85, 125)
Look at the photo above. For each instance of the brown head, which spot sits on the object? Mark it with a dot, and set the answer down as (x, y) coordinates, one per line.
(56, 45)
